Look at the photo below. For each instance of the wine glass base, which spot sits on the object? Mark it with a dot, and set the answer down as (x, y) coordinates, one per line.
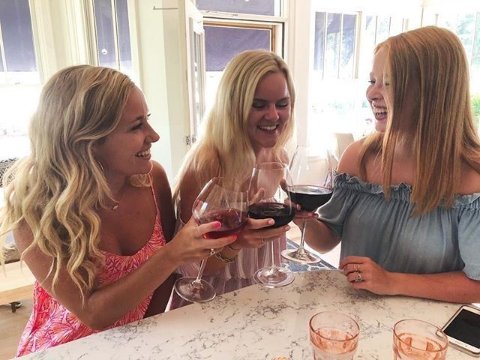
(199, 292)
(301, 256)
(274, 276)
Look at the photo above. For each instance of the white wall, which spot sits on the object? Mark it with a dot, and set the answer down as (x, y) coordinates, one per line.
(160, 39)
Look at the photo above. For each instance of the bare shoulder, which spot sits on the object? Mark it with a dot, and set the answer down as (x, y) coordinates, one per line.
(470, 181)
(161, 185)
(159, 175)
(23, 236)
(350, 160)
(163, 194)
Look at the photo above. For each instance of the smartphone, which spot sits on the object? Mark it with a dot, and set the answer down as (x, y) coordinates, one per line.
(463, 330)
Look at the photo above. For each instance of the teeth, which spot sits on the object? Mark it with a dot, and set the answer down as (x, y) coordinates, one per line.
(379, 111)
(268, 127)
(145, 153)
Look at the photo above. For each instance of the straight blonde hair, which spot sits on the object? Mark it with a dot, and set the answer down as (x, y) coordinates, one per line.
(428, 68)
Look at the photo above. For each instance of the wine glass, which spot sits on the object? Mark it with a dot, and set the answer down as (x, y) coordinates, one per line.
(311, 186)
(267, 201)
(223, 201)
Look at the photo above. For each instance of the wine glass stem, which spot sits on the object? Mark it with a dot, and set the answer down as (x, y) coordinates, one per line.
(302, 239)
(273, 267)
(272, 253)
(197, 281)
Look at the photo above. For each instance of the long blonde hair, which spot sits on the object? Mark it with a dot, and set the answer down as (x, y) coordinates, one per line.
(225, 148)
(58, 189)
(431, 64)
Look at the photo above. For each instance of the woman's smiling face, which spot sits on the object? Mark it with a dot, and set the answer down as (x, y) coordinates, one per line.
(377, 90)
(126, 151)
(270, 111)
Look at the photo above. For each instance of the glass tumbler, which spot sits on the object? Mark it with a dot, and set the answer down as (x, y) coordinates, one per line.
(417, 339)
(333, 336)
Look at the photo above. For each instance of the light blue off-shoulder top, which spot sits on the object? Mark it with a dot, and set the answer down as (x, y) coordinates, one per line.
(444, 240)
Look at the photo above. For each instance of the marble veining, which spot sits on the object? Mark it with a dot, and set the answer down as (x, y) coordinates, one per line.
(259, 323)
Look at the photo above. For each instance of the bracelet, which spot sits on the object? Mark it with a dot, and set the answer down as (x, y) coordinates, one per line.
(232, 248)
(225, 259)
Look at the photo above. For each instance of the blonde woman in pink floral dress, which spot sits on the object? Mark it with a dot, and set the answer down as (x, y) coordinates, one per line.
(91, 212)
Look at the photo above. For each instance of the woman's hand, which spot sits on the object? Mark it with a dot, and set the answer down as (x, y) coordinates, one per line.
(257, 231)
(302, 216)
(364, 273)
(191, 246)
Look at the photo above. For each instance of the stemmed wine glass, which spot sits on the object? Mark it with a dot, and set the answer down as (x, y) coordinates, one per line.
(311, 186)
(267, 201)
(220, 201)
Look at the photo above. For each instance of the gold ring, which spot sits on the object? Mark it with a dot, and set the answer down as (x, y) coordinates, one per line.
(359, 277)
(212, 252)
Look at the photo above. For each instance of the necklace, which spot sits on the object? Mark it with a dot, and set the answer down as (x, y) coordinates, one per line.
(116, 203)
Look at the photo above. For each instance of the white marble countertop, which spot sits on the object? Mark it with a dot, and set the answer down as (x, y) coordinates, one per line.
(259, 323)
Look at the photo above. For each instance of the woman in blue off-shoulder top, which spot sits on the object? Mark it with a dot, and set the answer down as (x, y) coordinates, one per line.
(406, 203)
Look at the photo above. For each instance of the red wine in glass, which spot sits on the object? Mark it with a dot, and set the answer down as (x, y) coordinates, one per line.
(310, 197)
(223, 201)
(310, 186)
(232, 222)
(267, 196)
(281, 213)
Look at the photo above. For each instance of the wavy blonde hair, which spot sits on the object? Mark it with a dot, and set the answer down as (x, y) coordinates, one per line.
(431, 64)
(225, 148)
(58, 189)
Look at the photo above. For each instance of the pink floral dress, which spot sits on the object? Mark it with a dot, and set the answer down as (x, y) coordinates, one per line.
(51, 324)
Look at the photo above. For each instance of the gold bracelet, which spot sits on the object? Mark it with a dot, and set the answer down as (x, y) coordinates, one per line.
(225, 259)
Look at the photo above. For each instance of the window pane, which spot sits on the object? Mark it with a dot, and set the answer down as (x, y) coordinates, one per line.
(223, 43)
(367, 44)
(319, 46)
(105, 37)
(257, 7)
(333, 45)
(383, 28)
(464, 26)
(124, 36)
(2, 69)
(475, 63)
(396, 26)
(348, 47)
(17, 36)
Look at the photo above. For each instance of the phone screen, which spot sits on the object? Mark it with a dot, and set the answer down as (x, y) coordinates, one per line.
(465, 327)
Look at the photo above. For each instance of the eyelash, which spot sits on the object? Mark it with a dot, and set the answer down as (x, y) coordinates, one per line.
(261, 106)
(372, 82)
(140, 124)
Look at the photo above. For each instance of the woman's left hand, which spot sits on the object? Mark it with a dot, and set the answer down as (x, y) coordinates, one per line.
(364, 273)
